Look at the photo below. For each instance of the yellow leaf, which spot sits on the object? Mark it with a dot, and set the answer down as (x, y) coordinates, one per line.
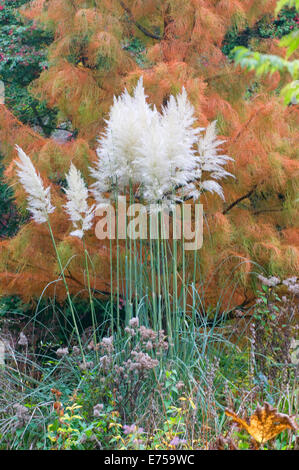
(192, 404)
(73, 407)
(265, 423)
(114, 424)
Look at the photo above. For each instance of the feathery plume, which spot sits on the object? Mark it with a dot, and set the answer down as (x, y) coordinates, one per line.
(130, 117)
(39, 200)
(167, 155)
(77, 207)
(208, 160)
(157, 151)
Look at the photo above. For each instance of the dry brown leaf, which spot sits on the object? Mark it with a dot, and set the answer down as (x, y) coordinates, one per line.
(265, 423)
(221, 442)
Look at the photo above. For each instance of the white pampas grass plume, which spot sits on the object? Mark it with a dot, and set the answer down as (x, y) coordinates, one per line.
(181, 136)
(161, 153)
(166, 157)
(77, 207)
(129, 118)
(209, 161)
(39, 200)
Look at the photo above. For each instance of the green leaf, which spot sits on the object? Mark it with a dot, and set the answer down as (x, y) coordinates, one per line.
(291, 41)
(291, 92)
(286, 3)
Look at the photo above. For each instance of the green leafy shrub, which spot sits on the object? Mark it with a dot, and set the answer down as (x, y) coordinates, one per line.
(22, 58)
(267, 27)
(10, 218)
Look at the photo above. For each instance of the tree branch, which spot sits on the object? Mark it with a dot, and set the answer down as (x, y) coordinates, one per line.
(138, 25)
(267, 210)
(239, 200)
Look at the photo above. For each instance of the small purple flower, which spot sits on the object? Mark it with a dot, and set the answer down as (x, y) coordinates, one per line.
(177, 441)
(132, 429)
(129, 429)
(97, 410)
(137, 442)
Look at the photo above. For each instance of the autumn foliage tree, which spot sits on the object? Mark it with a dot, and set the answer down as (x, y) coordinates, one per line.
(93, 58)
